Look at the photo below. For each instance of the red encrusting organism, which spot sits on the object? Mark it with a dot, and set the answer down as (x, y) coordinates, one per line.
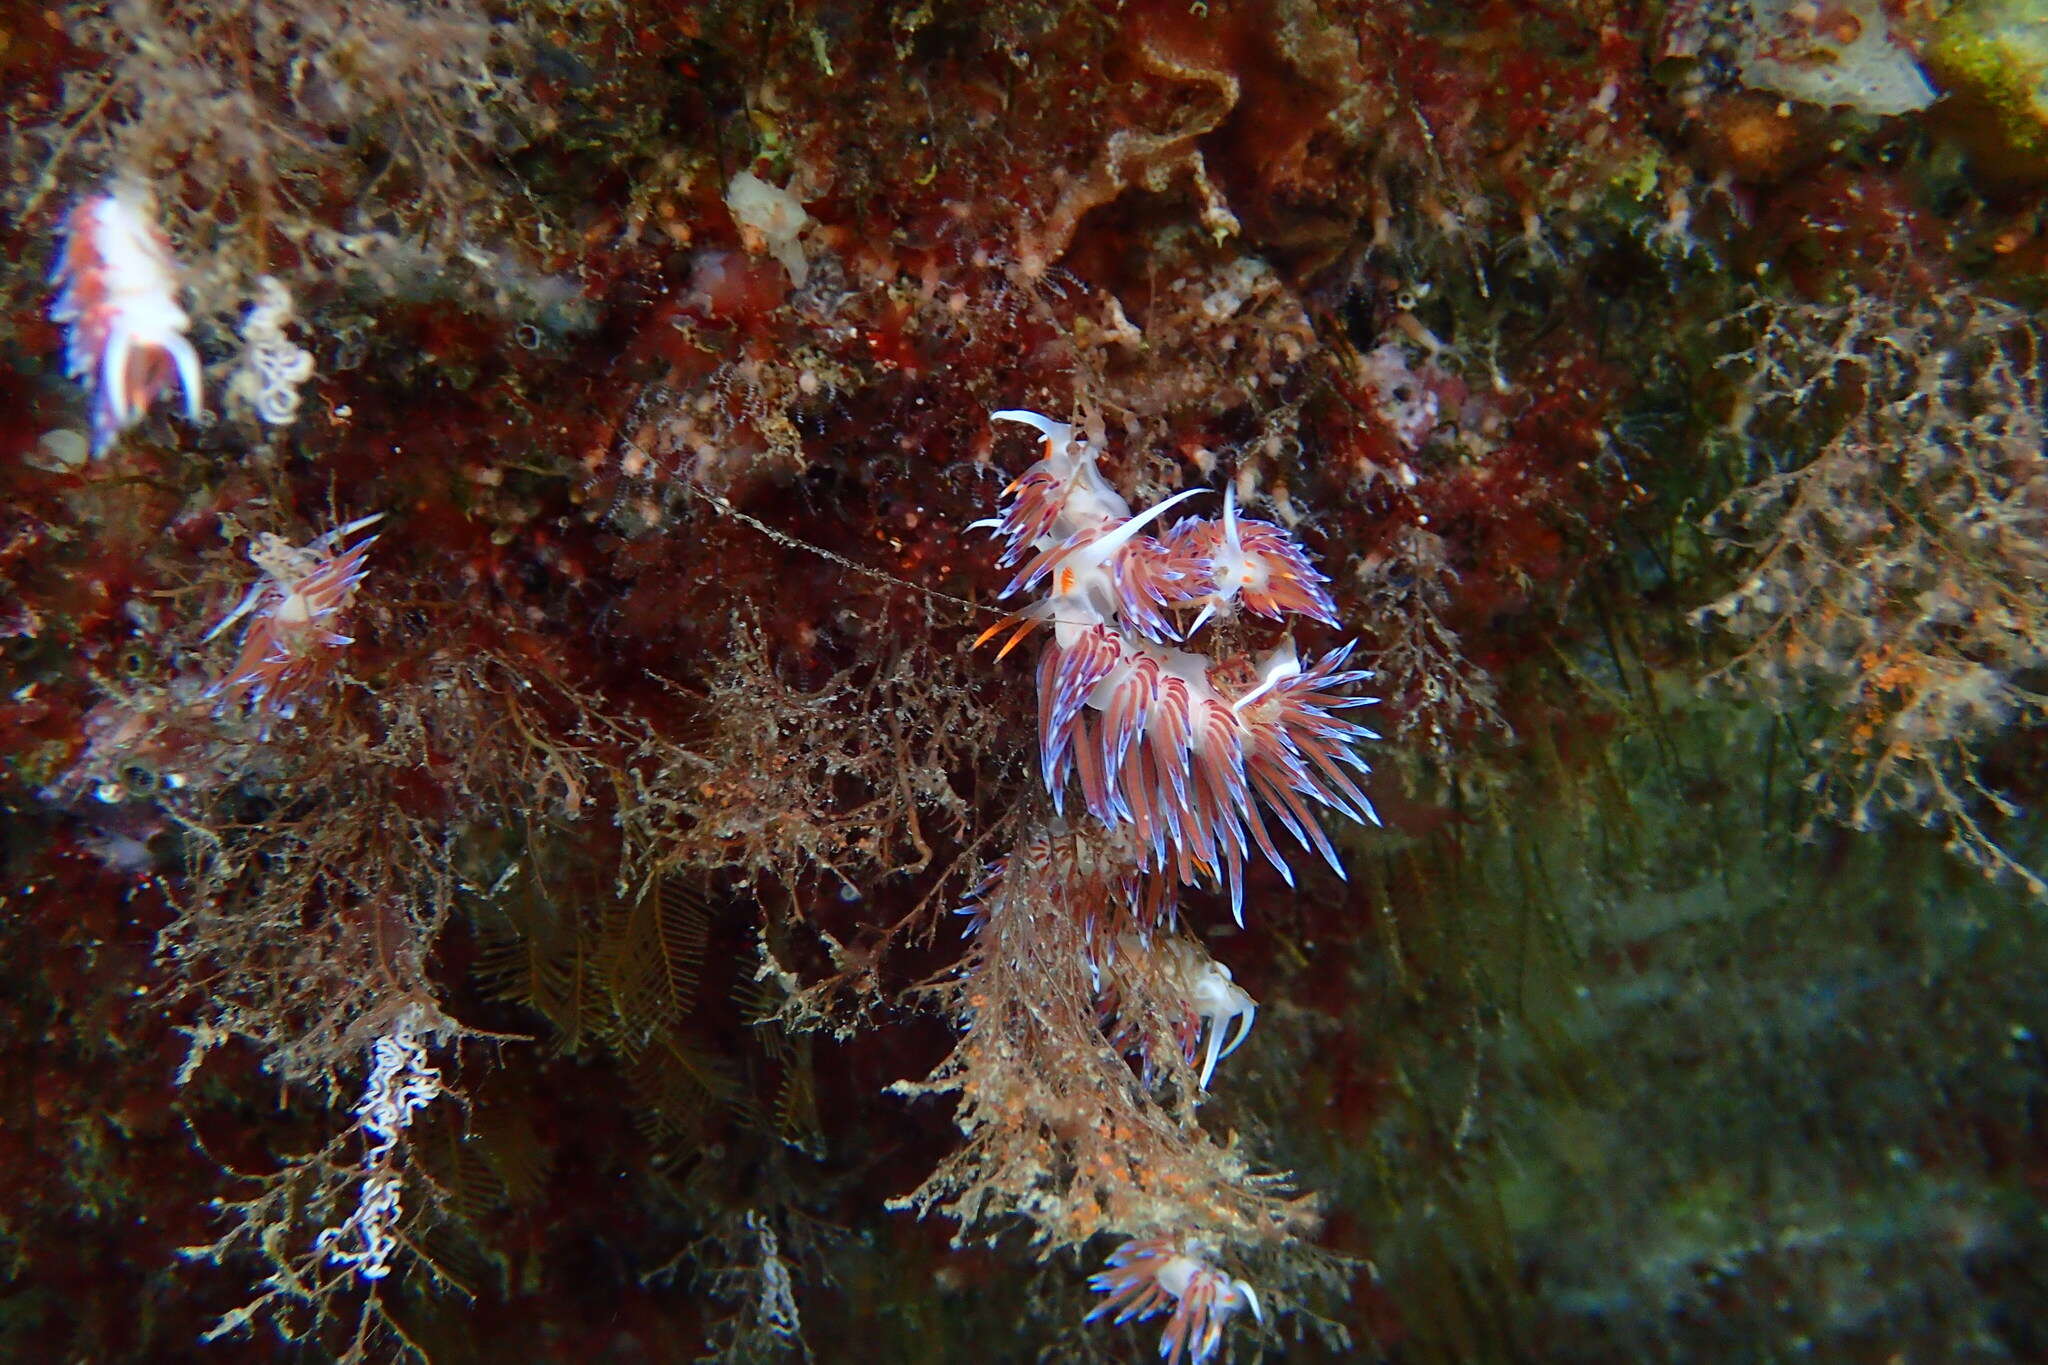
(117, 291)
(296, 606)
(1187, 753)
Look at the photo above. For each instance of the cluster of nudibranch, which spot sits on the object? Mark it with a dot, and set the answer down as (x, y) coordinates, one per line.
(1184, 754)
(1189, 753)
(117, 292)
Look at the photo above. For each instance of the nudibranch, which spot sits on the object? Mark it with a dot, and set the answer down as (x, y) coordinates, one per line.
(1155, 1275)
(117, 292)
(295, 610)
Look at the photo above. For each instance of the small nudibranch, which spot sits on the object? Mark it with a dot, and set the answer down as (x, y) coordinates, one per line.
(117, 289)
(295, 610)
(1152, 1275)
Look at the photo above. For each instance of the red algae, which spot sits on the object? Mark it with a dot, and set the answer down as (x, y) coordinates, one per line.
(732, 286)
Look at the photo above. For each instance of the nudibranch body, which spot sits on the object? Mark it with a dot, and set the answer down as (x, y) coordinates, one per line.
(117, 292)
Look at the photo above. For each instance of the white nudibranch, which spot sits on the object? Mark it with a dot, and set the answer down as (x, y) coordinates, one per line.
(117, 292)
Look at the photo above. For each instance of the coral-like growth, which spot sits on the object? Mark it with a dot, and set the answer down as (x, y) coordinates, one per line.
(775, 786)
(275, 135)
(1443, 695)
(744, 1265)
(312, 1275)
(1898, 559)
(324, 861)
(1056, 1132)
(314, 919)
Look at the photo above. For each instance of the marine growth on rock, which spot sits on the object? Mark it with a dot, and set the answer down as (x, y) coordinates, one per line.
(1497, 815)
